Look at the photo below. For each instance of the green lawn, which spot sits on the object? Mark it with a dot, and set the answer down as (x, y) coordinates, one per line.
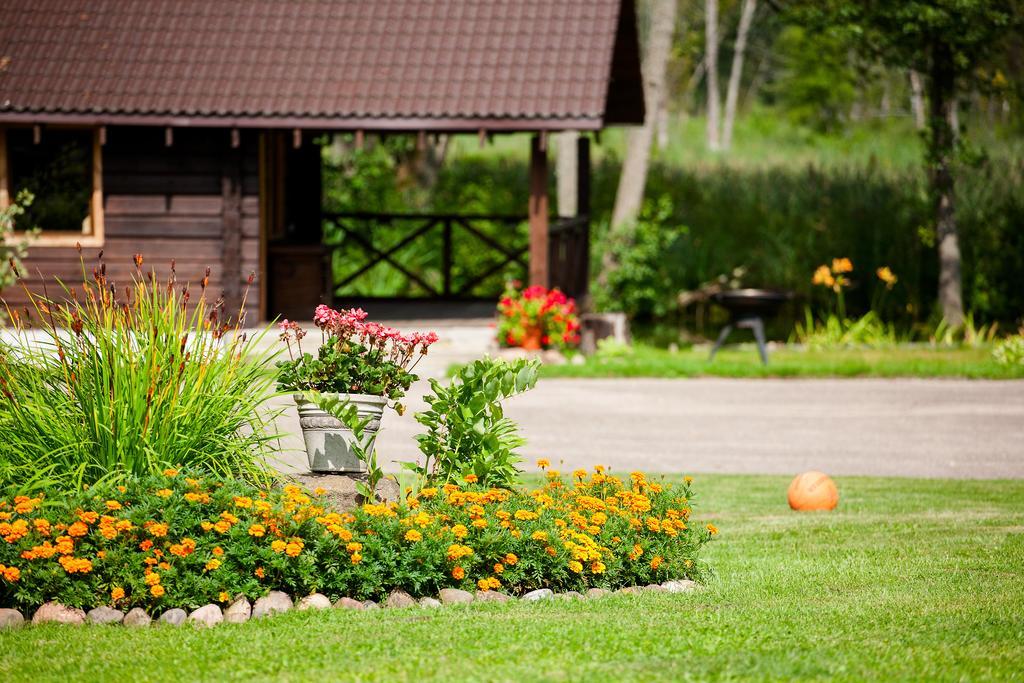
(743, 361)
(910, 579)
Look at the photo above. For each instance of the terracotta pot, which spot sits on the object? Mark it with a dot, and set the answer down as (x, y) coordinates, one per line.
(531, 338)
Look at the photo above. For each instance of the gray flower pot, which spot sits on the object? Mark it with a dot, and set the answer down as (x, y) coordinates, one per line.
(329, 442)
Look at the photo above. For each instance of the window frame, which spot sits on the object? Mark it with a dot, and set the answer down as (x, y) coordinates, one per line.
(94, 238)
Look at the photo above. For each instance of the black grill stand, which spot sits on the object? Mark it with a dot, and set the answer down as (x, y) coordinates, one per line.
(749, 322)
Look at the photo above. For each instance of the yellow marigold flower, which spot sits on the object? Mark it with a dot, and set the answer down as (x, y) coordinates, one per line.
(224, 597)
(157, 530)
(480, 523)
(212, 565)
(460, 531)
(354, 547)
(476, 510)
(218, 551)
(499, 568)
(553, 474)
(543, 463)
(117, 594)
(113, 505)
(493, 582)
(458, 573)
(823, 276)
(471, 478)
(206, 526)
(656, 562)
(278, 546)
(164, 493)
(636, 552)
(156, 591)
(356, 558)
(122, 489)
(78, 529)
(422, 519)
(413, 536)
(842, 265)
(688, 480)
(511, 559)
(222, 527)
(483, 584)
(713, 529)
(294, 548)
(345, 535)
(152, 578)
(170, 473)
(579, 474)
(428, 493)
(886, 275)
(243, 502)
(575, 567)
(597, 567)
(539, 536)
(600, 469)
(503, 515)
(599, 518)
(257, 530)
(653, 524)
(525, 515)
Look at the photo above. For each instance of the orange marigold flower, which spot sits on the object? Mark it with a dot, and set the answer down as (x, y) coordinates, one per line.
(145, 545)
(483, 584)
(354, 547)
(656, 562)
(78, 529)
(458, 573)
(511, 559)
(170, 473)
(88, 517)
(713, 529)
(152, 578)
(113, 505)
(164, 493)
(11, 574)
(499, 568)
(543, 463)
(539, 536)
(472, 478)
(480, 523)
(294, 548)
(224, 597)
(156, 591)
(260, 573)
(42, 526)
(117, 594)
(278, 546)
(460, 531)
(243, 502)
(413, 536)
(157, 530)
(575, 567)
(257, 530)
(356, 558)
(164, 565)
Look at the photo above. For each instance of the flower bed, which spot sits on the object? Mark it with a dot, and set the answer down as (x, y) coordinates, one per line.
(184, 540)
(537, 318)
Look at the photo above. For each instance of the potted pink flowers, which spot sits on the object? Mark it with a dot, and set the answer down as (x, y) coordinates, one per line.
(363, 365)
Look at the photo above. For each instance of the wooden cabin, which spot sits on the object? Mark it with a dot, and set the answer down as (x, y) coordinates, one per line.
(184, 128)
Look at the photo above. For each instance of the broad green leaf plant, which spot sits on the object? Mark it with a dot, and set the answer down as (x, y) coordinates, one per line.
(467, 431)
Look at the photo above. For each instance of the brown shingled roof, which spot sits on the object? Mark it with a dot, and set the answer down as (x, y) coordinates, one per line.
(377, 64)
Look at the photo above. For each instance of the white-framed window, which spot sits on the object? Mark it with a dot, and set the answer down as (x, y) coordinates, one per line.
(62, 168)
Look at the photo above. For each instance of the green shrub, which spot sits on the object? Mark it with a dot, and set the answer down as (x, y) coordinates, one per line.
(177, 539)
(112, 381)
(467, 431)
(1010, 351)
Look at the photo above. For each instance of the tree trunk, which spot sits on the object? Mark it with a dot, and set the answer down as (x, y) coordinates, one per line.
(732, 96)
(630, 193)
(917, 100)
(566, 173)
(663, 123)
(711, 67)
(942, 96)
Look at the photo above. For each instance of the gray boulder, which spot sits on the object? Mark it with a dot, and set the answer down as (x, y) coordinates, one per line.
(238, 612)
(348, 603)
(399, 598)
(455, 596)
(682, 586)
(314, 601)
(207, 616)
(370, 604)
(105, 615)
(57, 613)
(275, 601)
(11, 618)
(491, 596)
(430, 602)
(539, 594)
(137, 618)
(174, 617)
(596, 593)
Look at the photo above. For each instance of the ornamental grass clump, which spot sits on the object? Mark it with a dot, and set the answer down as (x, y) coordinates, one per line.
(105, 381)
(185, 539)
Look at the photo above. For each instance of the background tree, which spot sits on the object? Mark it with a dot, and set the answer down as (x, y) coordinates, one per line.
(945, 40)
(711, 74)
(732, 95)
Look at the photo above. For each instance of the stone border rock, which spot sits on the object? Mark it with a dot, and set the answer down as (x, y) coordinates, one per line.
(240, 610)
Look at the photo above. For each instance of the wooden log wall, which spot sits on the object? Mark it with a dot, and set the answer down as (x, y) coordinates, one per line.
(195, 200)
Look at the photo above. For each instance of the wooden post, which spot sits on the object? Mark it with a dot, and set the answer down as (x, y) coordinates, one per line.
(231, 230)
(538, 213)
(582, 277)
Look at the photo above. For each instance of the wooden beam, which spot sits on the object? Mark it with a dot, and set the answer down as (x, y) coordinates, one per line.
(538, 213)
(236, 138)
(359, 140)
(37, 134)
(168, 136)
(297, 138)
(103, 135)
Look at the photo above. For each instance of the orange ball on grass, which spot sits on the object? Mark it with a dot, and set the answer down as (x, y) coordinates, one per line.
(813, 491)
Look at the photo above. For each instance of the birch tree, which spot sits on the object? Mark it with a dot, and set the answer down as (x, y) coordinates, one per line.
(711, 73)
(732, 95)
